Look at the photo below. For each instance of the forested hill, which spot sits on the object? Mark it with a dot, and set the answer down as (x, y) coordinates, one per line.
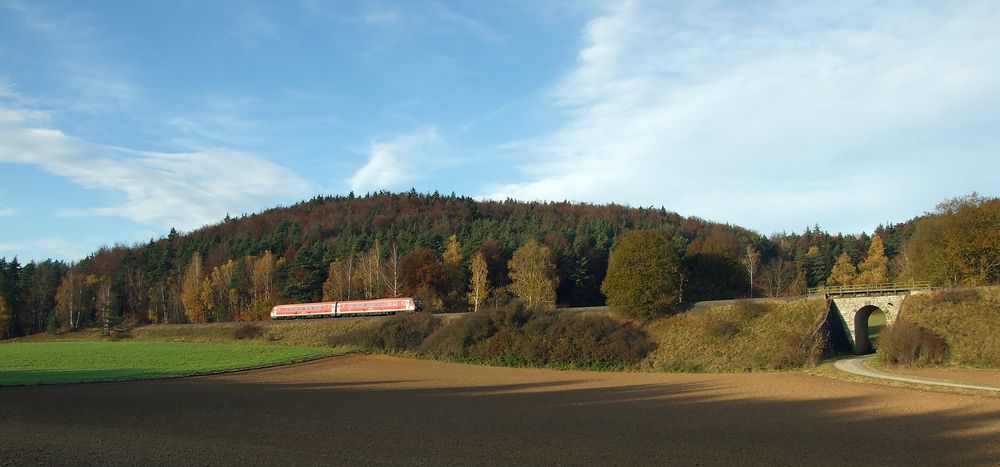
(416, 244)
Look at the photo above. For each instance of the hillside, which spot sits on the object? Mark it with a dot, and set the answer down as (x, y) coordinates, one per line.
(964, 319)
(422, 245)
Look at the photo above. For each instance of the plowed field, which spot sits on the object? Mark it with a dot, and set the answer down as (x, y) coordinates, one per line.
(376, 410)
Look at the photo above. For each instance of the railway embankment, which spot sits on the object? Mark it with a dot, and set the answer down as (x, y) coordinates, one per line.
(948, 327)
(731, 336)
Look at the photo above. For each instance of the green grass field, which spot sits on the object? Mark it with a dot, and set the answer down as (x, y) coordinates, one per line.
(876, 322)
(75, 362)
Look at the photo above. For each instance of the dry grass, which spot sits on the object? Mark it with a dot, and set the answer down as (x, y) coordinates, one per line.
(739, 336)
(966, 319)
(905, 343)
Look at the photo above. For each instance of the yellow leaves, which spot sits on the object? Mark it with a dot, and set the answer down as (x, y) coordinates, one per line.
(875, 267)
(478, 284)
(532, 274)
(453, 252)
(844, 272)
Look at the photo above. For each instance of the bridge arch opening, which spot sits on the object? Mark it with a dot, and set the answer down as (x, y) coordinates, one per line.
(868, 322)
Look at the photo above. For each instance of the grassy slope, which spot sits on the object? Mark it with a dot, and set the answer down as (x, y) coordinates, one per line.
(68, 362)
(311, 332)
(967, 320)
(734, 336)
(763, 335)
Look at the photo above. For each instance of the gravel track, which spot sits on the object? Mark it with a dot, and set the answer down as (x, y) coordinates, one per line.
(377, 410)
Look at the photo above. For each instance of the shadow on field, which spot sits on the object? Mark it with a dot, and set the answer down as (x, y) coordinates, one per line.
(32, 377)
(208, 420)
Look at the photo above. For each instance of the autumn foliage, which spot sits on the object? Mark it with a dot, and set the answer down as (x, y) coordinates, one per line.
(410, 244)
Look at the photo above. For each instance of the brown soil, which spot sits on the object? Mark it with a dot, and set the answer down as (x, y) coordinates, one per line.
(376, 410)
(984, 377)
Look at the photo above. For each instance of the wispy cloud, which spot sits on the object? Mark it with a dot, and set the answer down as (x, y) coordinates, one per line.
(725, 112)
(184, 190)
(7, 212)
(393, 162)
(381, 16)
(220, 120)
(466, 23)
(7, 90)
(251, 25)
(72, 47)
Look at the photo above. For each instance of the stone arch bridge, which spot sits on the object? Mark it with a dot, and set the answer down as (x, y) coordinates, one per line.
(854, 304)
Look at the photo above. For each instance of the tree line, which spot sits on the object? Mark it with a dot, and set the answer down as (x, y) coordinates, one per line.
(458, 254)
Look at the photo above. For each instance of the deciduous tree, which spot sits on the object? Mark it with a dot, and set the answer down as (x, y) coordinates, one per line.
(875, 267)
(532, 274)
(776, 277)
(799, 286)
(339, 280)
(191, 291)
(393, 274)
(843, 272)
(479, 284)
(750, 261)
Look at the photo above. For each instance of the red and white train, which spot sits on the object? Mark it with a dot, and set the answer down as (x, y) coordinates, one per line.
(382, 306)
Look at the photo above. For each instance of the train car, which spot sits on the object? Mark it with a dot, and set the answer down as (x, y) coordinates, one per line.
(382, 306)
(304, 310)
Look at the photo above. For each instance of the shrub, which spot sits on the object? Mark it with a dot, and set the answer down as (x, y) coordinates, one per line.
(800, 349)
(398, 333)
(247, 331)
(455, 338)
(905, 343)
(516, 336)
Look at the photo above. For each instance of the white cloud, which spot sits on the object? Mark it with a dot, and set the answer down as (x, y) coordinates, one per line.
(396, 161)
(183, 190)
(7, 212)
(775, 116)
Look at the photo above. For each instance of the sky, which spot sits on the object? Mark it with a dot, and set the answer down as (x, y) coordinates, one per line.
(122, 120)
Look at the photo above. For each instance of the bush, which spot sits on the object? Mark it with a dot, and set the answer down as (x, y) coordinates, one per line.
(247, 331)
(515, 336)
(398, 333)
(801, 349)
(905, 343)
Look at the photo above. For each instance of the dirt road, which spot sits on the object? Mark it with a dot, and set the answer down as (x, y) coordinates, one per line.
(375, 410)
(855, 365)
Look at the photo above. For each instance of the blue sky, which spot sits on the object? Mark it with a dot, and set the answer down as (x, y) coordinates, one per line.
(120, 120)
